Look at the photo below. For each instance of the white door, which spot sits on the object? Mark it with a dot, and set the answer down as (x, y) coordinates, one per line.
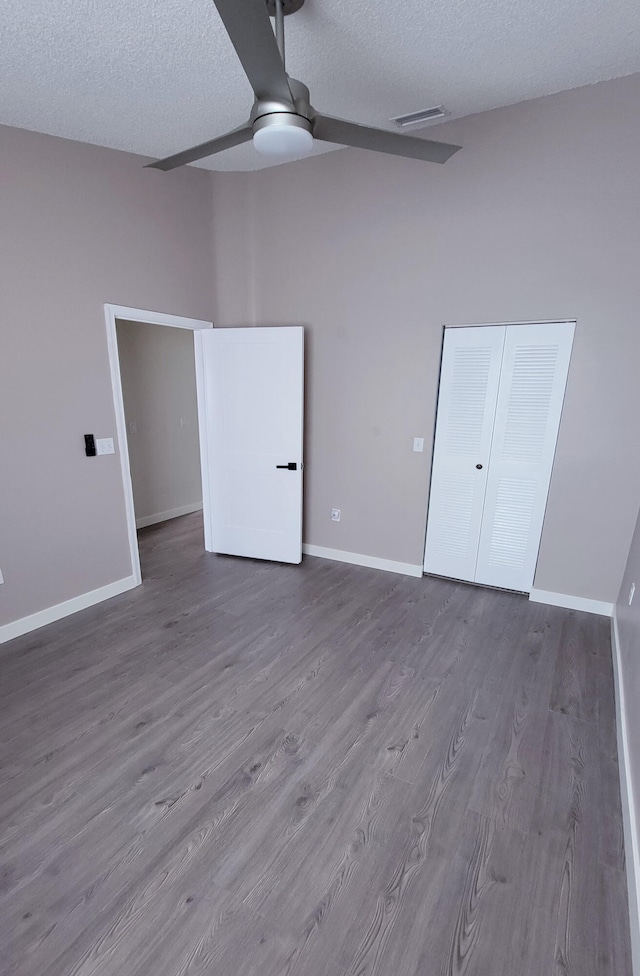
(250, 384)
(486, 512)
(533, 379)
(469, 378)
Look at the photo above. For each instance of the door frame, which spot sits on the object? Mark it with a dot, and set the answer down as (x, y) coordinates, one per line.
(111, 314)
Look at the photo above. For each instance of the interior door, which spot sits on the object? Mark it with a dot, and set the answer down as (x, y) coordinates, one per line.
(250, 382)
(499, 408)
(533, 380)
(469, 379)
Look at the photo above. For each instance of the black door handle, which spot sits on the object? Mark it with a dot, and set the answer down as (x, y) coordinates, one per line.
(291, 466)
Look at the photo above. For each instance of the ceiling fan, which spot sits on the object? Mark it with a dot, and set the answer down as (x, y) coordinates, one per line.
(282, 121)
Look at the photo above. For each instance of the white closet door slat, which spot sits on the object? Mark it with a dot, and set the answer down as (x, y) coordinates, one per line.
(529, 405)
(470, 374)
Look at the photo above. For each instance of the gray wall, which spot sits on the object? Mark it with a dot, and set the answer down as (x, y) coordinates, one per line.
(629, 638)
(157, 369)
(537, 218)
(81, 226)
(628, 619)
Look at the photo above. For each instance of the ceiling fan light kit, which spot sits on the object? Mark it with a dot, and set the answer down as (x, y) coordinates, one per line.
(282, 121)
(283, 134)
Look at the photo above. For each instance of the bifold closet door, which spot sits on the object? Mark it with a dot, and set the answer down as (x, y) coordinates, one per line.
(533, 379)
(469, 380)
(499, 407)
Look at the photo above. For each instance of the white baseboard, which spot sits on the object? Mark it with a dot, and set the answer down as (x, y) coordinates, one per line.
(165, 516)
(35, 620)
(357, 559)
(630, 820)
(571, 602)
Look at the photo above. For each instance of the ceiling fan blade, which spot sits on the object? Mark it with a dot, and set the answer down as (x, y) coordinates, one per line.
(249, 28)
(346, 133)
(234, 138)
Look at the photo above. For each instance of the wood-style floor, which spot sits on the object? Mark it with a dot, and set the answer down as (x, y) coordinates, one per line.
(248, 769)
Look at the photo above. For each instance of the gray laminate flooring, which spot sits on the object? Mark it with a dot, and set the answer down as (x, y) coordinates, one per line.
(247, 768)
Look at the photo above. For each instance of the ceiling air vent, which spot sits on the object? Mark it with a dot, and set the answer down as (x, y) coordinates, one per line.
(414, 119)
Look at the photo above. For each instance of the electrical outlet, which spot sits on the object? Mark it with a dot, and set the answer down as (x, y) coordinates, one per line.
(133, 427)
(335, 514)
(104, 445)
(631, 593)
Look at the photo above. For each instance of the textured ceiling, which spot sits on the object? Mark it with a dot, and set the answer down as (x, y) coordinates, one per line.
(156, 77)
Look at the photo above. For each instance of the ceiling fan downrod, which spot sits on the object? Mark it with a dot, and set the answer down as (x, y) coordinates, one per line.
(280, 28)
(281, 9)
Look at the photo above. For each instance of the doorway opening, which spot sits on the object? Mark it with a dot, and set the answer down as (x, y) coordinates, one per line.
(136, 464)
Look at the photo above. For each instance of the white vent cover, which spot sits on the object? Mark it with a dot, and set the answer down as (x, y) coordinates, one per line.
(415, 119)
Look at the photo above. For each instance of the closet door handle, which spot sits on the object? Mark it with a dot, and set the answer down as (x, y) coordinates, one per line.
(291, 466)
(479, 467)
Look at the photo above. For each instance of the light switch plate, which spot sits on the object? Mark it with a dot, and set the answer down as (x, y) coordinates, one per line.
(418, 444)
(104, 445)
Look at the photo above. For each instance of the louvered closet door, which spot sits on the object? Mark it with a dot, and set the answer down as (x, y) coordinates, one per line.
(529, 404)
(469, 379)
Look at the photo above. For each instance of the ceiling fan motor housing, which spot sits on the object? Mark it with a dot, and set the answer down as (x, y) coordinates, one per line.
(300, 105)
(284, 127)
